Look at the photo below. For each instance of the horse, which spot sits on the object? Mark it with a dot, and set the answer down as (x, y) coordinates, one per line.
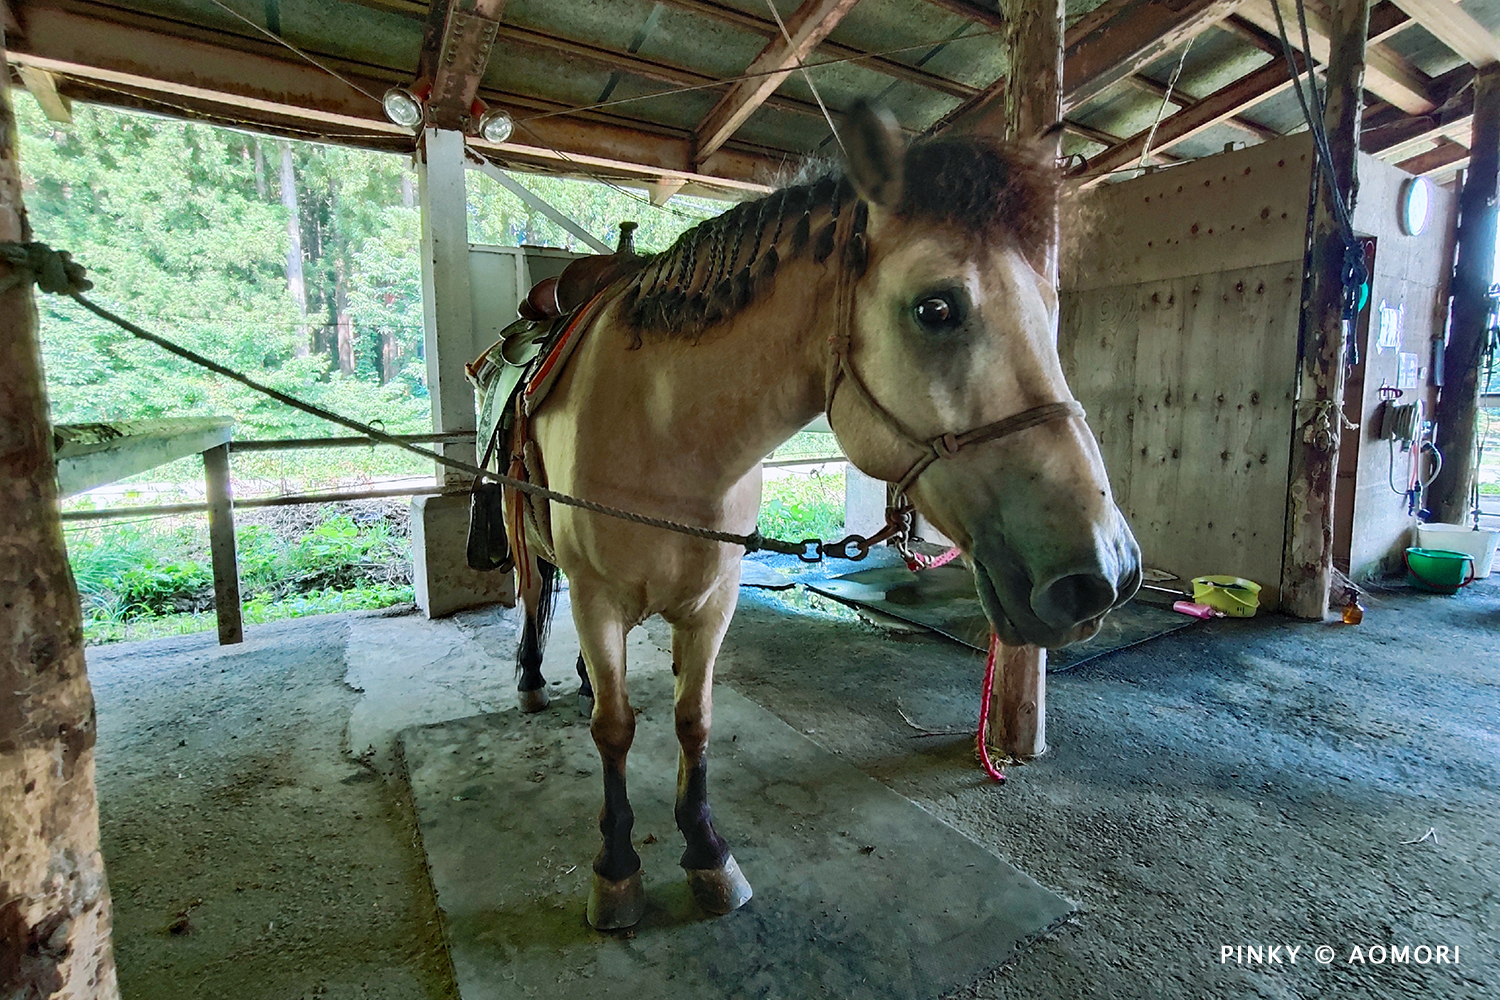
(904, 296)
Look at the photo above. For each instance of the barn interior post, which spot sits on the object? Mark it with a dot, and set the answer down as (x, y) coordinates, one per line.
(55, 913)
(441, 576)
(1457, 411)
(1033, 103)
(1307, 563)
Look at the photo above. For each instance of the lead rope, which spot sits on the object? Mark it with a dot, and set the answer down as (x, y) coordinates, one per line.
(980, 742)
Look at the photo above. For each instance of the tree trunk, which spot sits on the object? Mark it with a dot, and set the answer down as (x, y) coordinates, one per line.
(260, 170)
(1307, 563)
(55, 911)
(1458, 403)
(344, 322)
(295, 282)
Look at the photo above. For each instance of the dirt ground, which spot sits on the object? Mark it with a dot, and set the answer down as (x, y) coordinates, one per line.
(1259, 782)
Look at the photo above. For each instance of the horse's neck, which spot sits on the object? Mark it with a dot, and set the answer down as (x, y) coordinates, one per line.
(751, 381)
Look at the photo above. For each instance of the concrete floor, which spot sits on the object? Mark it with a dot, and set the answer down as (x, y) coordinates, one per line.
(1244, 783)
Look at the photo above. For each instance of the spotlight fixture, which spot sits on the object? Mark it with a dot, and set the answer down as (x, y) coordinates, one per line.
(402, 107)
(496, 125)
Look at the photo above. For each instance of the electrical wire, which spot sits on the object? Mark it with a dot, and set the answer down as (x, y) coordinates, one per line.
(810, 85)
(1165, 100)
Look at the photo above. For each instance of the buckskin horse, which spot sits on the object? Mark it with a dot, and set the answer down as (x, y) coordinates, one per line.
(901, 295)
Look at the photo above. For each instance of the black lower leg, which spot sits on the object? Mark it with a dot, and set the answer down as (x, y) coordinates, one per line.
(705, 848)
(616, 859)
(586, 690)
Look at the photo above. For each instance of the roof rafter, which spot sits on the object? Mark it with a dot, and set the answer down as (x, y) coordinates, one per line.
(1387, 75)
(1444, 157)
(808, 25)
(1456, 28)
(1110, 44)
(230, 79)
(1216, 107)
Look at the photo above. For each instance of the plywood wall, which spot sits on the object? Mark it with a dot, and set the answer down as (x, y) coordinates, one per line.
(1181, 292)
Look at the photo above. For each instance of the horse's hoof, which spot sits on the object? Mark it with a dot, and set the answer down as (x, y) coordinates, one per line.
(585, 705)
(720, 890)
(615, 905)
(534, 701)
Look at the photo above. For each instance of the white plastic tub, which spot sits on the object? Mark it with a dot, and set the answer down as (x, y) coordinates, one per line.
(1461, 538)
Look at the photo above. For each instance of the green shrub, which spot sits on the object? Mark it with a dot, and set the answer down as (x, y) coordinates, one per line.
(803, 506)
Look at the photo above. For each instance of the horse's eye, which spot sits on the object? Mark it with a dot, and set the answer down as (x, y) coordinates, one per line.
(936, 312)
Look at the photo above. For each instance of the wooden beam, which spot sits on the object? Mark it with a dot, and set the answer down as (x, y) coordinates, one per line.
(1387, 74)
(1182, 99)
(93, 455)
(221, 545)
(1123, 37)
(1307, 560)
(54, 897)
(1222, 104)
(975, 10)
(1393, 133)
(235, 80)
(1458, 401)
(44, 88)
(1444, 157)
(762, 26)
(1456, 28)
(808, 25)
(1108, 45)
(459, 52)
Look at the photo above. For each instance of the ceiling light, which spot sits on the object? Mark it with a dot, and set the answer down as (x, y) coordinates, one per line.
(497, 125)
(402, 107)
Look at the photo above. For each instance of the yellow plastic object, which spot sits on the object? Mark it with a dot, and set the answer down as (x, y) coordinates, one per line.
(1233, 595)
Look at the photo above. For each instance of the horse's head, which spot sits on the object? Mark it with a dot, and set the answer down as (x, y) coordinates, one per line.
(951, 327)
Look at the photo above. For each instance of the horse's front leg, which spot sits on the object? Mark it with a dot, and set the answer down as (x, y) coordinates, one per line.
(617, 899)
(712, 872)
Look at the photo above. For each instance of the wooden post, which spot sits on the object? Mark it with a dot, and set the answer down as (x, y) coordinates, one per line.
(1033, 103)
(1307, 557)
(54, 902)
(1458, 403)
(221, 545)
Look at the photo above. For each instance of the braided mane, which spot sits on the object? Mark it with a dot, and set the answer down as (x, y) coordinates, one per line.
(996, 192)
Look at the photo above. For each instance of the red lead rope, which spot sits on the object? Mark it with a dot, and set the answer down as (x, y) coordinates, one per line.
(916, 563)
(984, 712)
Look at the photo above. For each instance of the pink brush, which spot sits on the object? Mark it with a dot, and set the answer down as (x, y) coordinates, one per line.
(1196, 610)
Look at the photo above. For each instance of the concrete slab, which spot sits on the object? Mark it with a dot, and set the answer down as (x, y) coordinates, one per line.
(859, 892)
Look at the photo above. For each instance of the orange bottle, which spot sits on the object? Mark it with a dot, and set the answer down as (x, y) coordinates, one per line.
(1354, 612)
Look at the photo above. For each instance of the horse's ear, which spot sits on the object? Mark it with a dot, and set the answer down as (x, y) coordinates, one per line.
(876, 153)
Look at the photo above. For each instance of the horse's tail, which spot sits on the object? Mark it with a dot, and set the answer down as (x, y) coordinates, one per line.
(539, 601)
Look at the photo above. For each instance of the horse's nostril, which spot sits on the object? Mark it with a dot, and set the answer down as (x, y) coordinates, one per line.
(1071, 599)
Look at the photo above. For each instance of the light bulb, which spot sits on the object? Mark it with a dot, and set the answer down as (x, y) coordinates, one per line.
(401, 107)
(497, 125)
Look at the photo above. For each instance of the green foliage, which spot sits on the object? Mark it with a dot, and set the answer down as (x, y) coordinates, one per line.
(154, 578)
(794, 507)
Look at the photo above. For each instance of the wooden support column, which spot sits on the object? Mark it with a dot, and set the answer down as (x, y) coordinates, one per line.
(1307, 559)
(221, 545)
(55, 910)
(1458, 403)
(1033, 103)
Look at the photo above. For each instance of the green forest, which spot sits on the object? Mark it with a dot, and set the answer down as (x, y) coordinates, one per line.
(296, 263)
(293, 261)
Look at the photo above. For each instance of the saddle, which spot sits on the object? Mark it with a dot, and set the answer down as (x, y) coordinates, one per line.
(513, 377)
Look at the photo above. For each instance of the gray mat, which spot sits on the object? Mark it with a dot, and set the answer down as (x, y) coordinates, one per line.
(758, 574)
(943, 600)
(858, 892)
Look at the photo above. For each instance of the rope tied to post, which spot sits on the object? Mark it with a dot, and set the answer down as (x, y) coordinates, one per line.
(53, 271)
(57, 273)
